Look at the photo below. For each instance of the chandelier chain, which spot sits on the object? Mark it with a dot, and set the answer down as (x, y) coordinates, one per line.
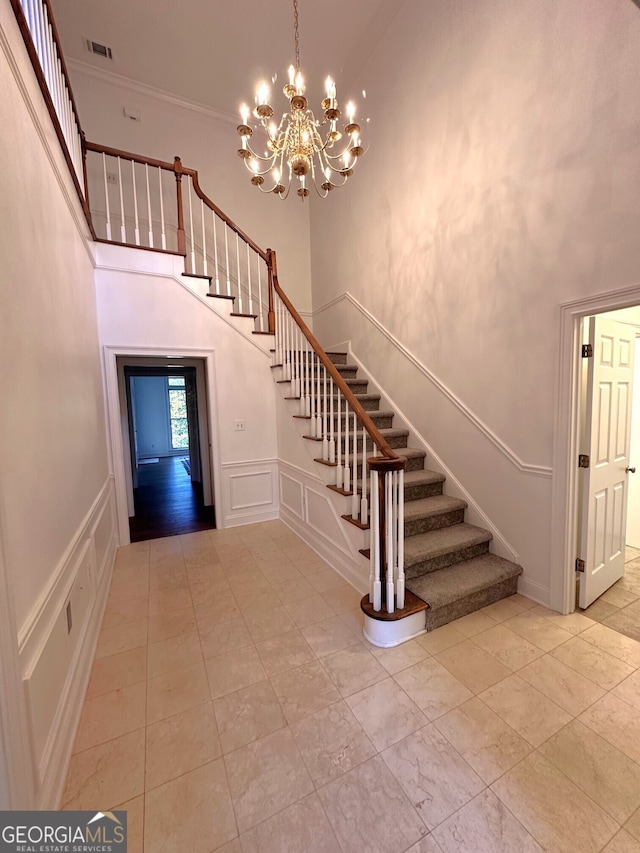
(297, 34)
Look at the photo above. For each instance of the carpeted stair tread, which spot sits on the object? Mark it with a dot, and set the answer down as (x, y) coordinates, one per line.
(435, 505)
(428, 546)
(423, 477)
(465, 587)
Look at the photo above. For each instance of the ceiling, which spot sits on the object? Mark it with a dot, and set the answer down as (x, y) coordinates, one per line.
(213, 52)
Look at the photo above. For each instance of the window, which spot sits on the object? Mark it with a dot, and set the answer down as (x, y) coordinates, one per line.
(178, 412)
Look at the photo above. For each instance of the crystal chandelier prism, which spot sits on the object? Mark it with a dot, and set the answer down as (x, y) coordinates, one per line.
(300, 148)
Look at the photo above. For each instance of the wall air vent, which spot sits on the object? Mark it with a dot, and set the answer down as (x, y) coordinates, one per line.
(98, 49)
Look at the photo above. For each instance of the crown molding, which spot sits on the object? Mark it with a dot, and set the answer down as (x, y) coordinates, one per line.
(75, 66)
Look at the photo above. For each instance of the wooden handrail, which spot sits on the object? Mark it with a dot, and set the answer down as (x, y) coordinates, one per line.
(127, 155)
(365, 420)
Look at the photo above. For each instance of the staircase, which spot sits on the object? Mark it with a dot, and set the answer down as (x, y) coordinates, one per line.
(447, 562)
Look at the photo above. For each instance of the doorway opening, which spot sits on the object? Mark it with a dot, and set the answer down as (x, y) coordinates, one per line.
(166, 446)
(608, 541)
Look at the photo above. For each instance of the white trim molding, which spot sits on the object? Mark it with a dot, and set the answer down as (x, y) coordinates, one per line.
(524, 467)
(249, 492)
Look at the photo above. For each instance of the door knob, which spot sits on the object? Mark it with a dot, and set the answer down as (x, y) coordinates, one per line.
(630, 470)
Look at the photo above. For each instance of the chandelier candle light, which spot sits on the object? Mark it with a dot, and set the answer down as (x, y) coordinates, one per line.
(296, 147)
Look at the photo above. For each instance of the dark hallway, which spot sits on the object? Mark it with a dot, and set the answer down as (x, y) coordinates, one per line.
(167, 503)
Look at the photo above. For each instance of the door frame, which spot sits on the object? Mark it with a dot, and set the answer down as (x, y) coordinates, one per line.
(114, 415)
(564, 497)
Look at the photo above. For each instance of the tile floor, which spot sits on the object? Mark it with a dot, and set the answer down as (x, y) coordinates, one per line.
(234, 707)
(619, 606)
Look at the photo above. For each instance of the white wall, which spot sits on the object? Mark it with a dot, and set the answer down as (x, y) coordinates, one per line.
(209, 145)
(502, 179)
(152, 415)
(55, 484)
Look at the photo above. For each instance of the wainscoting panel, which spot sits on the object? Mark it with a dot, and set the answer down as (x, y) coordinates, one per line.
(58, 642)
(249, 492)
(292, 495)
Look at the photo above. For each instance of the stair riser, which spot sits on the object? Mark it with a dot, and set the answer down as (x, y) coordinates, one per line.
(381, 421)
(433, 522)
(443, 615)
(426, 490)
(449, 559)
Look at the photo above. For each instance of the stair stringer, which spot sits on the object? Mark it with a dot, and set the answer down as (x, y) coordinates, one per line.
(453, 487)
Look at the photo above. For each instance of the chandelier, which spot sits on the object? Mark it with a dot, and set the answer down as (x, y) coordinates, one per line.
(300, 147)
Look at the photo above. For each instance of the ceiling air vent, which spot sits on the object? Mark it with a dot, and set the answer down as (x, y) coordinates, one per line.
(98, 49)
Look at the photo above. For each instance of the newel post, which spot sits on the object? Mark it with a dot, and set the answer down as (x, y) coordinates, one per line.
(273, 276)
(387, 532)
(182, 238)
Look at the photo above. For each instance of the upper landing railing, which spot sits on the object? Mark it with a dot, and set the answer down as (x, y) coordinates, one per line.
(159, 206)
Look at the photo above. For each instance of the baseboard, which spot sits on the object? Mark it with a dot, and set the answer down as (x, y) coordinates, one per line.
(55, 661)
(534, 591)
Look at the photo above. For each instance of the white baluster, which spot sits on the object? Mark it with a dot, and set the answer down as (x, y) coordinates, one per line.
(325, 419)
(259, 262)
(303, 369)
(307, 400)
(286, 345)
(339, 468)
(312, 396)
(297, 356)
(193, 245)
(355, 503)
(346, 477)
(215, 252)
(146, 171)
(277, 355)
(364, 503)
(123, 227)
(226, 252)
(388, 485)
(42, 52)
(205, 269)
(400, 585)
(106, 194)
(332, 438)
(249, 281)
(374, 543)
(136, 224)
(162, 228)
(240, 309)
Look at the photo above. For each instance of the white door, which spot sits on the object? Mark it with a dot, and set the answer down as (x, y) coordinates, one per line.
(607, 438)
(633, 502)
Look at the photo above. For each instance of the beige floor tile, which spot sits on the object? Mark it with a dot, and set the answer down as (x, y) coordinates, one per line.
(610, 778)
(220, 638)
(342, 598)
(484, 825)
(596, 665)
(223, 609)
(621, 647)
(503, 609)
(110, 773)
(618, 596)
(121, 611)
(247, 715)
(527, 603)
(181, 743)
(304, 690)
(163, 626)
(176, 691)
(112, 641)
(324, 578)
(294, 590)
(353, 669)
(258, 599)
(125, 590)
(440, 639)
(309, 611)
(563, 685)
(386, 713)
(622, 843)
(285, 652)
(174, 653)
(135, 823)
(111, 715)
(629, 690)
(600, 610)
(574, 623)
(192, 812)
(401, 657)
(302, 826)
(233, 671)
(473, 623)
(488, 744)
(117, 671)
(537, 630)
(626, 620)
(432, 687)
(554, 810)
(427, 844)
(615, 721)
(329, 636)
(525, 709)
(265, 777)
(471, 665)
(437, 780)
(512, 650)
(264, 623)
(247, 580)
(354, 620)
(367, 803)
(331, 742)
(633, 825)
(170, 599)
(282, 570)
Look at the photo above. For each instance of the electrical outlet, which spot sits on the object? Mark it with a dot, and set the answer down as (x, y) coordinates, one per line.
(112, 178)
(239, 426)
